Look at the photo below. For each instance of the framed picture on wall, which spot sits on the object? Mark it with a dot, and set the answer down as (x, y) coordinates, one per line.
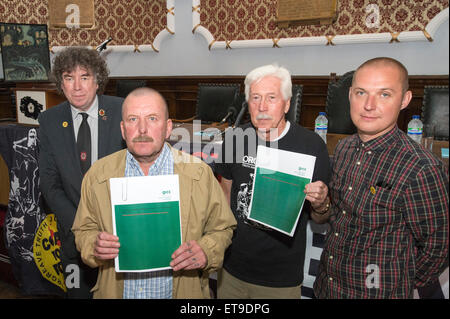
(29, 105)
(25, 53)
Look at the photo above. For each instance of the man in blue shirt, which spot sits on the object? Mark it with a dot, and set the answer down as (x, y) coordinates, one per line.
(207, 222)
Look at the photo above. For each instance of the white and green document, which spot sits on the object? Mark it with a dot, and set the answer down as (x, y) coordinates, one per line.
(146, 218)
(278, 188)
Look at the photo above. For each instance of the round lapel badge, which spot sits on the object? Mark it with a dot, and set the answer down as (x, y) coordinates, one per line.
(65, 124)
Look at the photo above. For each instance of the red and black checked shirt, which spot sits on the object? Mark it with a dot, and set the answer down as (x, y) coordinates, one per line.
(389, 222)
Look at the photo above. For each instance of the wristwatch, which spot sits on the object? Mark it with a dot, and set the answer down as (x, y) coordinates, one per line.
(327, 208)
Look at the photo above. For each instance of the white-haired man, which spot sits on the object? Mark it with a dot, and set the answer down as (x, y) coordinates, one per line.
(262, 263)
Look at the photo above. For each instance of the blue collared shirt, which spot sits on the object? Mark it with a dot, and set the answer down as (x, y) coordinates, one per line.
(155, 284)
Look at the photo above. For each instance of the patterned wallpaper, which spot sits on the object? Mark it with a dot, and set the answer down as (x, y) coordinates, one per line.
(230, 20)
(127, 22)
(145, 23)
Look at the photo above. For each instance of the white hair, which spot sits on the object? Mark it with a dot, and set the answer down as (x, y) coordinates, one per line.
(270, 70)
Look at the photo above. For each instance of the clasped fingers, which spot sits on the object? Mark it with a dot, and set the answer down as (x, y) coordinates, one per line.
(316, 193)
(106, 246)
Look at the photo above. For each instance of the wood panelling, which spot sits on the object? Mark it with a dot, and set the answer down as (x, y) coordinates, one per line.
(416, 85)
(181, 93)
(7, 101)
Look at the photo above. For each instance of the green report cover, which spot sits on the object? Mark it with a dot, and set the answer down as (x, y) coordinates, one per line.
(146, 217)
(278, 188)
(148, 233)
(281, 209)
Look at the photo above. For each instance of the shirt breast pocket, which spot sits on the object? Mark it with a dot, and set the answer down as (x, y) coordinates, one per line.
(382, 206)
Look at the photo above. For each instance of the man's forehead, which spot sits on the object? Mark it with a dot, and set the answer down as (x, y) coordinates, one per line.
(144, 106)
(387, 70)
(80, 69)
(146, 111)
(269, 81)
(374, 75)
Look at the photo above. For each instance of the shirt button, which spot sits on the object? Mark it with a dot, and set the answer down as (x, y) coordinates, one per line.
(350, 188)
(336, 234)
(344, 212)
(358, 163)
(330, 278)
(330, 257)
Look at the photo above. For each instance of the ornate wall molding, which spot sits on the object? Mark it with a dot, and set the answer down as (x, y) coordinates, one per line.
(138, 48)
(135, 26)
(234, 18)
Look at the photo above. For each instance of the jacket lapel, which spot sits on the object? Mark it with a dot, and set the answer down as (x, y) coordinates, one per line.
(104, 127)
(185, 199)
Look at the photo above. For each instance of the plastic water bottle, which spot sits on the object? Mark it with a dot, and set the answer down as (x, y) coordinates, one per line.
(321, 126)
(415, 127)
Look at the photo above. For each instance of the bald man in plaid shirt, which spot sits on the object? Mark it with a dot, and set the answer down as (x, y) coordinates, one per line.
(389, 213)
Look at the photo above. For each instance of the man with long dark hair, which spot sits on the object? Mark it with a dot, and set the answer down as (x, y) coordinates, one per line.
(73, 135)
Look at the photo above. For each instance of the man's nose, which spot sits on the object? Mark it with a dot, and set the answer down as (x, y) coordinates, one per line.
(76, 84)
(142, 127)
(263, 106)
(370, 103)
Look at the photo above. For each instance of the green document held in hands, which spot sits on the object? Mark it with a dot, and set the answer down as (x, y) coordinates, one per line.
(146, 218)
(278, 189)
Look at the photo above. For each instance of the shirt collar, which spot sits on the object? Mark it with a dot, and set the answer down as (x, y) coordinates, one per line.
(279, 137)
(286, 129)
(381, 142)
(92, 111)
(157, 166)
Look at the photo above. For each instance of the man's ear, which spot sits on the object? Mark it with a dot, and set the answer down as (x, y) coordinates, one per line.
(169, 128)
(122, 129)
(406, 99)
(286, 106)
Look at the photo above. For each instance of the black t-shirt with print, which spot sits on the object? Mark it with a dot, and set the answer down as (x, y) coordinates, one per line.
(257, 254)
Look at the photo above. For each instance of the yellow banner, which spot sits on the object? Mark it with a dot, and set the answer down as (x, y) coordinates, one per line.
(47, 252)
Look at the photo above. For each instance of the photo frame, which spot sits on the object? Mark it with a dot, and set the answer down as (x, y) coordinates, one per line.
(25, 52)
(29, 105)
